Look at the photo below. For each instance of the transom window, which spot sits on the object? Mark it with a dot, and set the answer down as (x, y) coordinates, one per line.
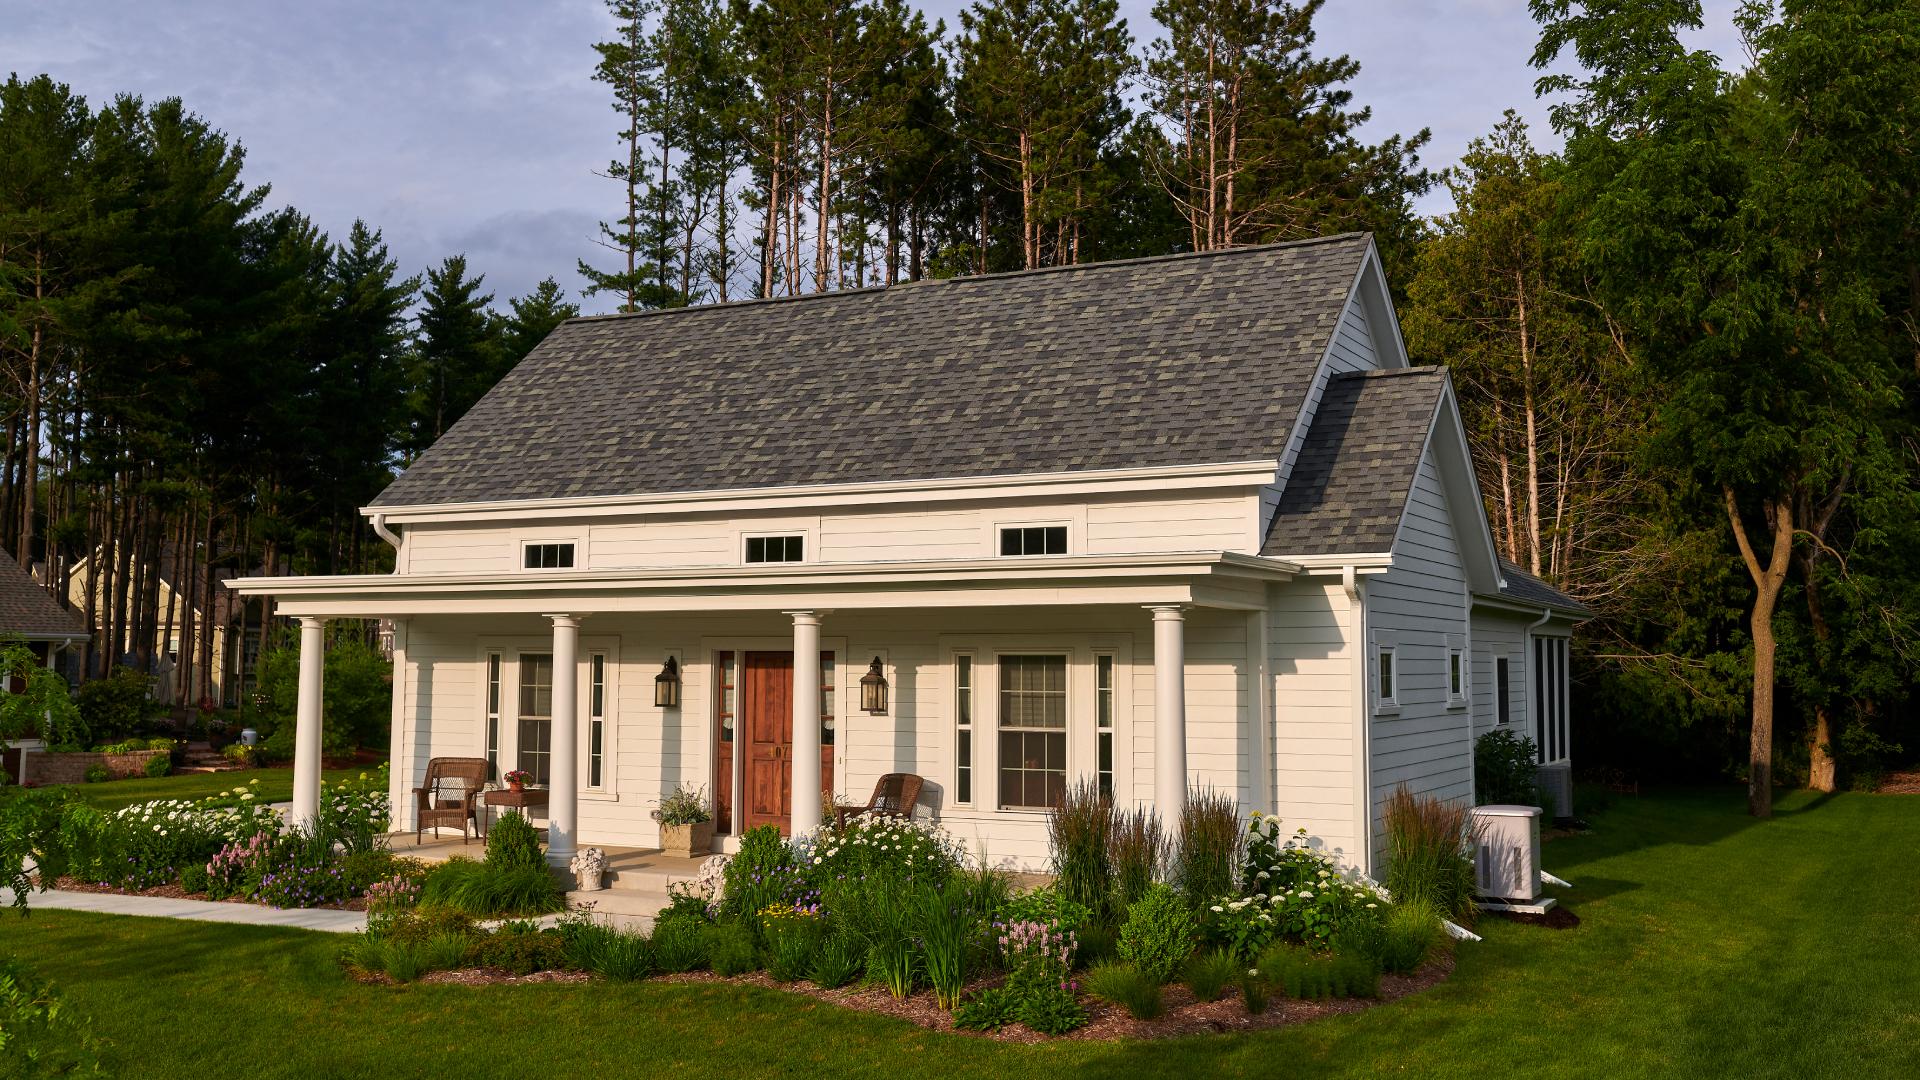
(1033, 735)
(1034, 540)
(761, 549)
(549, 556)
(536, 715)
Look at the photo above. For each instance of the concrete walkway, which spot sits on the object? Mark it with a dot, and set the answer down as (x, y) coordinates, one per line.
(339, 922)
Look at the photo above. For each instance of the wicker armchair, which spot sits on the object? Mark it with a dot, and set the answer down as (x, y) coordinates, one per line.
(893, 796)
(450, 796)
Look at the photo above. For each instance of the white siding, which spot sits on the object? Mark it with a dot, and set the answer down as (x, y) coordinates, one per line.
(704, 542)
(452, 549)
(1422, 599)
(1221, 524)
(1310, 633)
(927, 534)
(1497, 634)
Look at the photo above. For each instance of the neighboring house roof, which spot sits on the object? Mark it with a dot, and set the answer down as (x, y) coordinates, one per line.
(1187, 359)
(27, 609)
(1355, 471)
(1517, 584)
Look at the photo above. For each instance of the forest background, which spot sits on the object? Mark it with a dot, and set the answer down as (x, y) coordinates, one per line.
(1686, 344)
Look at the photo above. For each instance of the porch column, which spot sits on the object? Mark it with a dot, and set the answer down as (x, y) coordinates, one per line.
(806, 722)
(306, 719)
(563, 799)
(1169, 713)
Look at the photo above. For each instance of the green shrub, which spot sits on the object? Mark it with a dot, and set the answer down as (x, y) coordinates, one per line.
(1128, 987)
(625, 956)
(791, 945)
(731, 949)
(423, 924)
(1207, 974)
(98, 774)
(1094, 942)
(1313, 976)
(679, 944)
(1137, 854)
(1080, 833)
(1047, 906)
(989, 1010)
(514, 844)
(159, 766)
(193, 879)
(523, 948)
(1505, 769)
(1052, 1011)
(1427, 844)
(838, 961)
(363, 868)
(1158, 935)
(1253, 990)
(448, 951)
(1206, 853)
(403, 961)
(893, 963)
(115, 703)
(762, 875)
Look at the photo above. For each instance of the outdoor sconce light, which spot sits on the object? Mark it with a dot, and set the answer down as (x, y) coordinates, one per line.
(873, 689)
(666, 685)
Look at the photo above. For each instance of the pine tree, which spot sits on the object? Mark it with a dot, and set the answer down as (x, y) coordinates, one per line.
(458, 355)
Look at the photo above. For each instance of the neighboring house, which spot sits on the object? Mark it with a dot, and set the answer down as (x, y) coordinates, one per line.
(52, 633)
(1170, 521)
(230, 671)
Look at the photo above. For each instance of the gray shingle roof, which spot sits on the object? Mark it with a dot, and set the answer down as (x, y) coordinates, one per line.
(1517, 584)
(1356, 468)
(26, 608)
(1177, 360)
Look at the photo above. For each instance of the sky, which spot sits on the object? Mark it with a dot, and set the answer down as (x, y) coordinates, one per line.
(475, 127)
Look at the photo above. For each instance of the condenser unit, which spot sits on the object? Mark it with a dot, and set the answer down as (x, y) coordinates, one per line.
(1556, 781)
(1506, 862)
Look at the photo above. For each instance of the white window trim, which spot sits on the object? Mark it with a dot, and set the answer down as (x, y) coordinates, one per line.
(520, 556)
(1073, 538)
(973, 725)
(809, 553)
(608, 791)
(1387, 642)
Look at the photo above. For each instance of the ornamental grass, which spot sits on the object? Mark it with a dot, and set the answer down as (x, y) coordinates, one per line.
(1428, 857)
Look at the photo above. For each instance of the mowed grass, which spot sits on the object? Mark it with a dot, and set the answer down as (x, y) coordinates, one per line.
(276, 785)
(1711, 945)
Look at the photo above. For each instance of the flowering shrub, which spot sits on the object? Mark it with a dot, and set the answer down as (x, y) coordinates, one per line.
(1047, 905)
(1311, 914)
(294, 886)
(1241, 925)
(1273, 866)
(237, 868)
(148, 843)
(357, 811)
(902, 849)
(1039, 963)
(395, 894)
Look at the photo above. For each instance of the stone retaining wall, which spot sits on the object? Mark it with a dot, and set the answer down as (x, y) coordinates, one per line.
(44, 768)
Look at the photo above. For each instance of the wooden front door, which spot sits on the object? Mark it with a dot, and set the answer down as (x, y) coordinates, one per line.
(766, 739)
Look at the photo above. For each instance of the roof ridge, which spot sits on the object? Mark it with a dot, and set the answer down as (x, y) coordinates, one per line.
(1381, 373)
(962, 279)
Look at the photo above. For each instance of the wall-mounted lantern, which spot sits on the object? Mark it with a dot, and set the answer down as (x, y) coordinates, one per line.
(873, 689)
(666, 685)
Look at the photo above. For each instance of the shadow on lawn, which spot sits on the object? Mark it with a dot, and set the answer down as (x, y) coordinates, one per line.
(1711, 816)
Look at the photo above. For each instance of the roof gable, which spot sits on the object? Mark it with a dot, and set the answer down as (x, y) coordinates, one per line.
(26, 608)
(1179, 360)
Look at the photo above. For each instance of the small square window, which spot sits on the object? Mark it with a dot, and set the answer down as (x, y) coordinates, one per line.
(762, 549)
(1034, 540)
(549, 556)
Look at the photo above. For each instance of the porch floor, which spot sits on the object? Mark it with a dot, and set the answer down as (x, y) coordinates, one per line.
(635, 883)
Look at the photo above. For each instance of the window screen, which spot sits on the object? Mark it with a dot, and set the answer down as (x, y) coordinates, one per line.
(1037, 540)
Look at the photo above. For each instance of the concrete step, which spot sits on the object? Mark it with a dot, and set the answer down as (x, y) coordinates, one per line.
(650, 881)
(627, 902)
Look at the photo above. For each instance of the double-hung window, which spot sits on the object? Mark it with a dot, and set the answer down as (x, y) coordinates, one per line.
(1033, 731)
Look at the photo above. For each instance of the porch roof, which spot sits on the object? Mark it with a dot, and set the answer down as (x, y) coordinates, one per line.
(1219, 579)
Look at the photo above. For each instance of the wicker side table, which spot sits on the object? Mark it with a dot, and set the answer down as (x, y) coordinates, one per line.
(524, 799)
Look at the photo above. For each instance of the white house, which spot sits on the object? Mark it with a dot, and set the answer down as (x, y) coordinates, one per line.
(1178, 520)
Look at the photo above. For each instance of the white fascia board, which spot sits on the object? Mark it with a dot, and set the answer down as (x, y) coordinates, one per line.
(1231, 474)
(1531, 609)
(1223, 564)
(1367, 562)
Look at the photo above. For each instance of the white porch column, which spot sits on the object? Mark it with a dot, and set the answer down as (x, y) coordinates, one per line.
(1169, 713)
(306, 731)
(806, 721)
(563, 799)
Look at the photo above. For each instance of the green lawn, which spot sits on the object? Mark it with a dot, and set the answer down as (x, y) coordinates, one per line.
(276, 785)
(1711, 945)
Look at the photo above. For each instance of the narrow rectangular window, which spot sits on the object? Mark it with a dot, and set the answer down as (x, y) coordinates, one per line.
(549, 556)
(963, 722)
(1502, 697)
(596, 718)
(1033, 736)
(723, 767)
(765, 549)
(1454, 679)
(1386, 677)
(1034, 540)
(1103, 709)
(493, 716)
(827, 718)
(1541, 708)
(536, 716)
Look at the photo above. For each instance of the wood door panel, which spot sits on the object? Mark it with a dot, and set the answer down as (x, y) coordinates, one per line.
(766, 708)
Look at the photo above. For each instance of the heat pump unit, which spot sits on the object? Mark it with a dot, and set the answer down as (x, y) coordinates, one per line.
(1507, 863)
(1557, 781)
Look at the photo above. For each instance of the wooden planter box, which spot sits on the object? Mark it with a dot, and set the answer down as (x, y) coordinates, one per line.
(687, 841)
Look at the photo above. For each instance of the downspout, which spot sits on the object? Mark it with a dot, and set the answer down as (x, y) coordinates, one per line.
(1466, 685)
(1363, 779)
(1533, 704)
(380, 529)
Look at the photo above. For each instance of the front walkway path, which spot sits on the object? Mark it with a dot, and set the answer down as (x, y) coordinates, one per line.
(340, 922)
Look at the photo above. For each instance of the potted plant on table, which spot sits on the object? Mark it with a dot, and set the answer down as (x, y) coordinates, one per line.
(686, 823)
(518, 779)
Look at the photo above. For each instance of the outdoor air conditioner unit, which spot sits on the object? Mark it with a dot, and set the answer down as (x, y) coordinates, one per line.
(1557, 780)
(1506, 863)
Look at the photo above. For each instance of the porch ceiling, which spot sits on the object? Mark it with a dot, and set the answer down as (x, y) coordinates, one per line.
(1204, 579)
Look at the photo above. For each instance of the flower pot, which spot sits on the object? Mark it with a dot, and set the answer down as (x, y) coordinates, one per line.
(687, 841)
(516, 785)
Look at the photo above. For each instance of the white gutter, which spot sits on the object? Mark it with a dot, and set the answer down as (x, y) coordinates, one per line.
(380, 529)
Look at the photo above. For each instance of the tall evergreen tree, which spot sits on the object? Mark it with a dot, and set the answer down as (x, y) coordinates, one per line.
(457, 357)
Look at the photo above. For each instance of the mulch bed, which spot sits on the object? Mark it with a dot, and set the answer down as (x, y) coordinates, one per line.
(1184, 1015)
(1901, 783)
(173, 891)
(1556, 918)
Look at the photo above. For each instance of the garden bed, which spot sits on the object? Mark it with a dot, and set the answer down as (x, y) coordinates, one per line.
(173, 891)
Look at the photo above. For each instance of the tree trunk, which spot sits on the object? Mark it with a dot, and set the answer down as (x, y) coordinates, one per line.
(30, 478)
(1767, 583)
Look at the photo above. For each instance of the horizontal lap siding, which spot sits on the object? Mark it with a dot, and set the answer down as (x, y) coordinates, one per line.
(1421, 599)
(441, 684)
(1308, 636)
(452, 550)
(662, 543)
(882, 537)
(1498, 634)
(1223, 524)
